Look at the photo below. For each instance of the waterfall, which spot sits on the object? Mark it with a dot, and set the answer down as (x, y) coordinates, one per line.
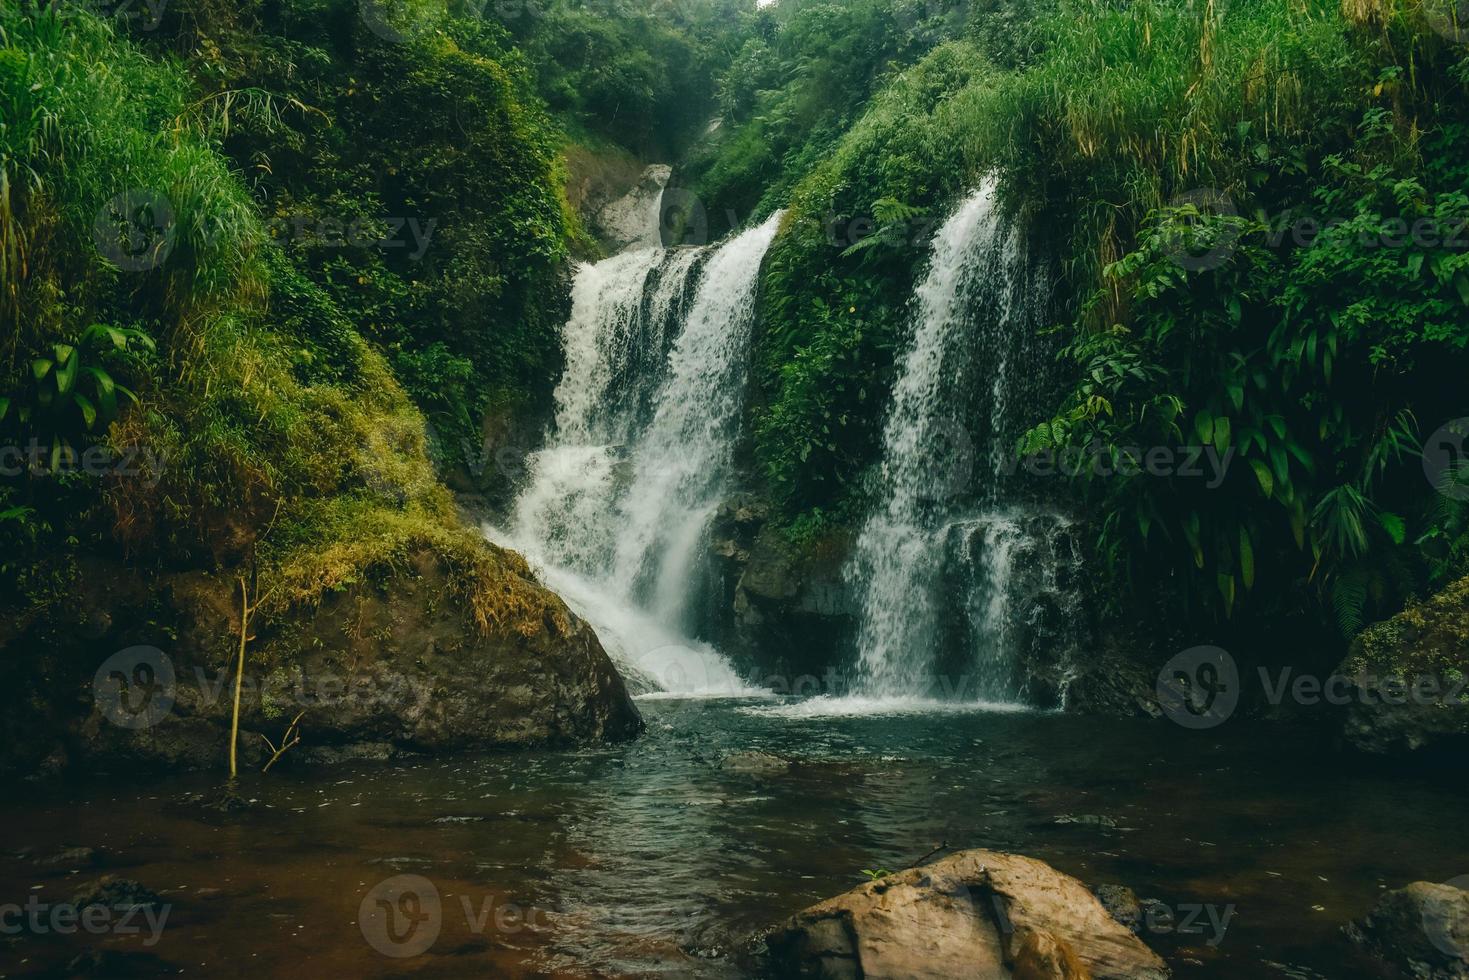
(615, 506)
(938, 563)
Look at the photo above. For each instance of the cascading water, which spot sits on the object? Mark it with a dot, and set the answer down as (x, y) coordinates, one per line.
(939, 563)
(647, 414)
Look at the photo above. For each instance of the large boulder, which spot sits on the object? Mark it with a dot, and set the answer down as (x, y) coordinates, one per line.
(1422, 929)
(398, 659)
(1407, 678)
(980, 914)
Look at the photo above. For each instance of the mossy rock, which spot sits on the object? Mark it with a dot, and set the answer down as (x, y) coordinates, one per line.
(1409, 677)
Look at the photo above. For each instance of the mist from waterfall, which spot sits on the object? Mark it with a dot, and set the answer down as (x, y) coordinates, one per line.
(615, 506)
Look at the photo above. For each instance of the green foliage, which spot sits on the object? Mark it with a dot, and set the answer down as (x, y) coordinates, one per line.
(72, 394)
(799, 83)
(1310, 352)
(837, 283)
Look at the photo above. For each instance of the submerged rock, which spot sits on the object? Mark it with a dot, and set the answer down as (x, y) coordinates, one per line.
(113, 892)
(976, 913)
(755, 762)
(69, 859)
(1422, 929)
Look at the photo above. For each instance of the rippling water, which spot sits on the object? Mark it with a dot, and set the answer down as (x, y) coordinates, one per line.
(661, 858)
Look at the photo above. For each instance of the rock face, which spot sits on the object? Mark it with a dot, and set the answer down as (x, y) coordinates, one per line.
(1422, 929)
(396, 665)
(1409, 678)
(784, 610)
(632, 220)
(977, 913)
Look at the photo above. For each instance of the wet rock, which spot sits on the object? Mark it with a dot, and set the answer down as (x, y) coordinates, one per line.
(1121, 904)
(225, 800)
(384, 667)
(784, 610)
(113, 892)
(1409, 678)
(1422, 929)
(755, 762)
(69, 859)
(1094, 820)
(976, 913)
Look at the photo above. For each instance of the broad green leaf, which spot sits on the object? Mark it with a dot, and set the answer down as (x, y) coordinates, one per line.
(1262, 473)
(89, 411)
(41, 367)
(1393, 525)
(1221, 433)
(1204, 426)
(66, 374)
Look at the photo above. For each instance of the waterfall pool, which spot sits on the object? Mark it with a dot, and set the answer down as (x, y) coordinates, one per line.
(661, 857)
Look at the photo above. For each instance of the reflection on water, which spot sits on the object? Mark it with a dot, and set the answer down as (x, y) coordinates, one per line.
(659, 857)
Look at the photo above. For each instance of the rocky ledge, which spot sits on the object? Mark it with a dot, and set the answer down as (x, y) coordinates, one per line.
(976, 913)
(395, 662)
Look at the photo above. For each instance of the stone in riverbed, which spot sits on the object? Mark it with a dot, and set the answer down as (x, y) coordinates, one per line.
(112, 892)
(1422, 929)
(69, 859)
(762, 763)
(977, 913)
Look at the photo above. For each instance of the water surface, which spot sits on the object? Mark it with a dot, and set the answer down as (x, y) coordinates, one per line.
(653, 858)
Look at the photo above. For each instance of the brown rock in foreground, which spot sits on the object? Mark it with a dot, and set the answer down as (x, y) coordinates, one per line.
(975, 914)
